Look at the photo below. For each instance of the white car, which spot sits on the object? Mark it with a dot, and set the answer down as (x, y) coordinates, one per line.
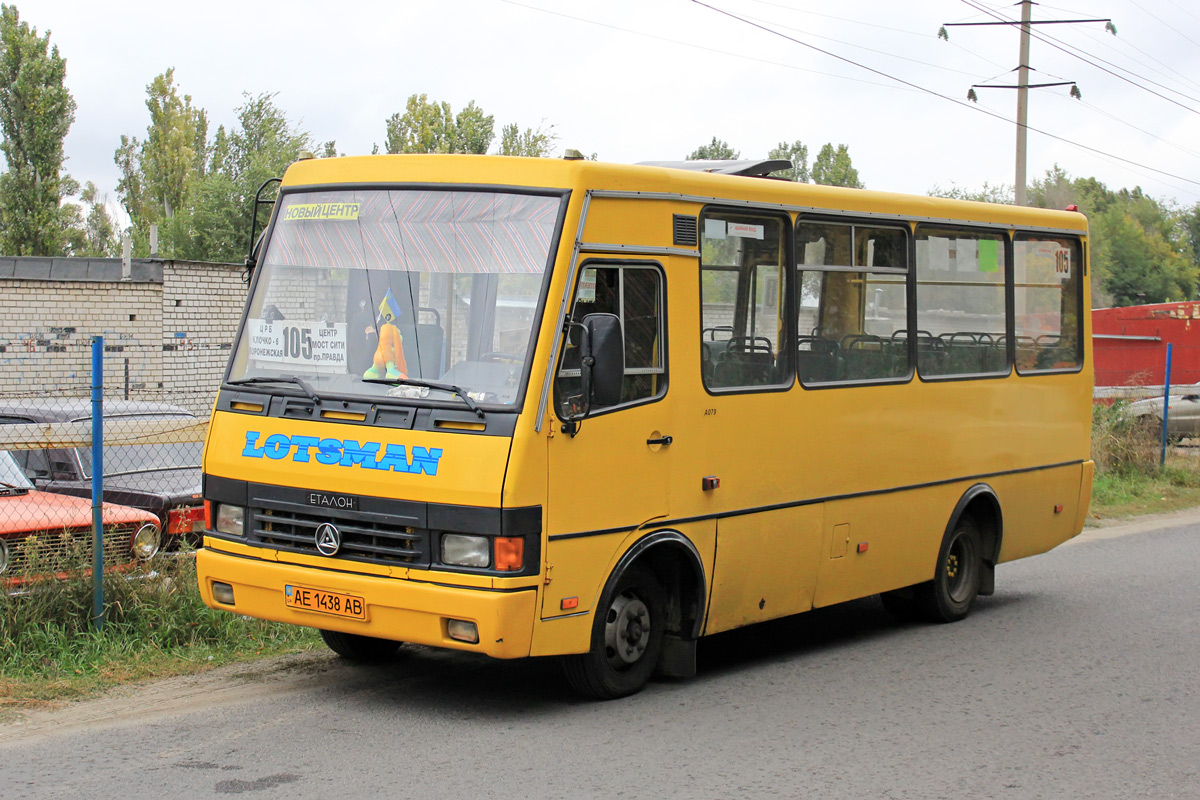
(1183, 416)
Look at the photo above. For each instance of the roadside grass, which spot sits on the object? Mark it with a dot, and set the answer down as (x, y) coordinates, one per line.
(155, 626)
(1129, 480)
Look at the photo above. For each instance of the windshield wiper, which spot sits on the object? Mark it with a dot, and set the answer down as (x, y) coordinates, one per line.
(445, 387)
(303, 384)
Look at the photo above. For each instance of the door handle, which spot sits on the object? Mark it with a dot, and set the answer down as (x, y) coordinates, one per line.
(661, 440)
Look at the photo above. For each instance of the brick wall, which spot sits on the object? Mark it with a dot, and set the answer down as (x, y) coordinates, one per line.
(167, 328)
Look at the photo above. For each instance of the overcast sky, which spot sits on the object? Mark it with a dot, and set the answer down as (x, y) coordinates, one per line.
(636, 80)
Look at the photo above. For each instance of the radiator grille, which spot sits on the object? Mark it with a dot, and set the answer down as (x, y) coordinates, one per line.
(364, 536)
(45, 552)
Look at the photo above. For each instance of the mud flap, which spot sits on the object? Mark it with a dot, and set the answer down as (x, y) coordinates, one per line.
(678, 658)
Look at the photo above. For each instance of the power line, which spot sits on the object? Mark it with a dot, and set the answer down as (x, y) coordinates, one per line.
(1055, 44)
(925, 90)
(859, 46)
(1164, 24)
(692, 45)
(1125, 43)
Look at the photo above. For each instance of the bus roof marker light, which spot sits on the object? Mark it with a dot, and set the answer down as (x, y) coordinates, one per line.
(571, 154)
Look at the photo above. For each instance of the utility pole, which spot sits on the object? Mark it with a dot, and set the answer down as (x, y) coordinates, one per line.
(1023, 101)
(1023, 85)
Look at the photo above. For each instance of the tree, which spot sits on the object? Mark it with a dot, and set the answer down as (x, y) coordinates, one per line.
(92, 234)
(262, 146)
(159, 175)
(530, 143)
(834, 168)
(1138, 265)
(797, 153)
(716, 150)
(1191, 222)
(431, 127)
(1142, 250)
(1001, 193)
(36, 111)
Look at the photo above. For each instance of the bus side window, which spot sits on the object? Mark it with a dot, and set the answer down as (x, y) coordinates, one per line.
(743, 290)
(1048, 296)
(635, 294)
(961, 302)
(853, 310)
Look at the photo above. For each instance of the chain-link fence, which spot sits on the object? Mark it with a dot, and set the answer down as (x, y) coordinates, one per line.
(149, 458)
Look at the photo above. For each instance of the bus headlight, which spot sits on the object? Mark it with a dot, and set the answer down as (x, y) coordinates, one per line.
(3, 555)
(145, 541)
(460, 550)
(230, 520)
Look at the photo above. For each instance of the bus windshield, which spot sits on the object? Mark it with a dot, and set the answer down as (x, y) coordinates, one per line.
(362, 290)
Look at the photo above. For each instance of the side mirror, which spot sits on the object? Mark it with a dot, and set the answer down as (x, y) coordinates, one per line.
(607, 365)
(601, 367)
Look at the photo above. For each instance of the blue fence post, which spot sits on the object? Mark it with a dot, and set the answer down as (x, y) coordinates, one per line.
(1162, 457)
(98, 482)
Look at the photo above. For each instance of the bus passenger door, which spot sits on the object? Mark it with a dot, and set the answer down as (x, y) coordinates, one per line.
(611, 475)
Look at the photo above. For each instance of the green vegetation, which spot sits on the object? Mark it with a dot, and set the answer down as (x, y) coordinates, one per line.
(1129, 480)
(155, 626)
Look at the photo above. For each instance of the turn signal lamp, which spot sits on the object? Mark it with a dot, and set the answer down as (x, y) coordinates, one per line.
(510, 553)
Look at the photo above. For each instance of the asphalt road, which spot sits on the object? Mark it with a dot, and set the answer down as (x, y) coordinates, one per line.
(1078, 679)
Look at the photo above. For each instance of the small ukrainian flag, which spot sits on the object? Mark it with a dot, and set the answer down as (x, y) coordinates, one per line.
(389, 309)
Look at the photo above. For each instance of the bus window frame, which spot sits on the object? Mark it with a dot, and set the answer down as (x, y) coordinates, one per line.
(1010, 350)
(850, 221)
(664, 335)
(787, 272)
(1081, 249)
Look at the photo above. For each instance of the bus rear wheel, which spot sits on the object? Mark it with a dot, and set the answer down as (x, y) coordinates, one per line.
(627, 638)
(359, 648)
(956, 580)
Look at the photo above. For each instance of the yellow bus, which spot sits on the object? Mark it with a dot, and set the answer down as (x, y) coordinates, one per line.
(554, 407)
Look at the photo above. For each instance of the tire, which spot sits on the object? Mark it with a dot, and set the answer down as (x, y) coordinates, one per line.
(627, 638)
(360, 648)
(956, 579)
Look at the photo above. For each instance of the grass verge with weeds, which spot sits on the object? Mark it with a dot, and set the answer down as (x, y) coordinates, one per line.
(1129, 480)
(155, 626)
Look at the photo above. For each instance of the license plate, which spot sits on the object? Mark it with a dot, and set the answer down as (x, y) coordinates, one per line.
(336, 603)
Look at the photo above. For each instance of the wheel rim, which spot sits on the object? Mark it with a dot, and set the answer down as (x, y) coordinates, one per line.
(962, 564)
(626, 631)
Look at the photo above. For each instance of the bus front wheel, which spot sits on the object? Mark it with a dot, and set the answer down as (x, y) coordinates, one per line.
(359, 648)
(955, 585)
(627, 638)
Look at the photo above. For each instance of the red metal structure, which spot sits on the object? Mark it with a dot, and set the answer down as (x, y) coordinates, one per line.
(1130, 344)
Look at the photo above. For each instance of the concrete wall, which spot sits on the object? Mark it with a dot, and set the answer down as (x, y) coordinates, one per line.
(167, 327)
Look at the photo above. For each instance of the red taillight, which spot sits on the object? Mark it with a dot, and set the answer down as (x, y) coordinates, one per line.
(183, 520)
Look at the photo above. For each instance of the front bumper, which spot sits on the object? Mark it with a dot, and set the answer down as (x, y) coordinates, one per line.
(399, 609)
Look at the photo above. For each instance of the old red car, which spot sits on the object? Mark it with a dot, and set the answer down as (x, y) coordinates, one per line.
(38, 528)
